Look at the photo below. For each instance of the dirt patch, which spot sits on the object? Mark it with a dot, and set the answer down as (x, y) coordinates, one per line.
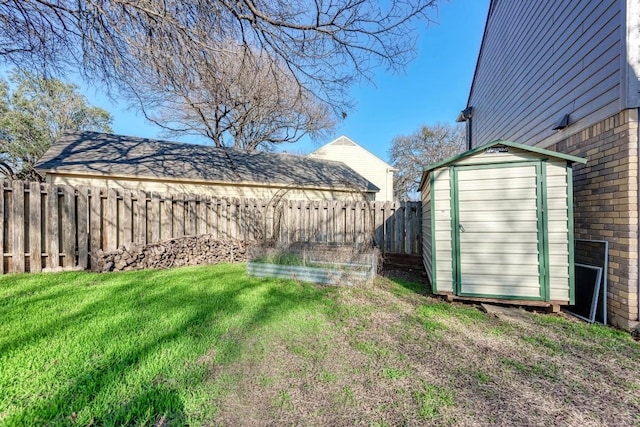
(409, 275)
(389, 355)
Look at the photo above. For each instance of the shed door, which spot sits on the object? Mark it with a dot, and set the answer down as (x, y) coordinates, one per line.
(498, 218)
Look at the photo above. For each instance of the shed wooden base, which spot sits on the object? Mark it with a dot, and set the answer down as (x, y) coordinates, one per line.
(550, 306)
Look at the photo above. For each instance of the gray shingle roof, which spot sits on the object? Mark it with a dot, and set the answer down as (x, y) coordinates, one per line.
(107, 154)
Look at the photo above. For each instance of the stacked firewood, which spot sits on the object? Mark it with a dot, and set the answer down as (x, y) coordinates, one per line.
(176, 252)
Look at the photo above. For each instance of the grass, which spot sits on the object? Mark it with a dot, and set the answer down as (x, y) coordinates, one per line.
(211, 346)
(131, 348)
(431, 399)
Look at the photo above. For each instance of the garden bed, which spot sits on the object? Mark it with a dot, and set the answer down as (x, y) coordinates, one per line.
(323, 264)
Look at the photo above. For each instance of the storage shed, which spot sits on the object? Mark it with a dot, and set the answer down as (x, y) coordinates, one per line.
(498, 224)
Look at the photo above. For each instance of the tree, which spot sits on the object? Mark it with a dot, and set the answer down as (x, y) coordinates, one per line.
(323, 46)
(428, 145)
(34, 113)
(246, 100)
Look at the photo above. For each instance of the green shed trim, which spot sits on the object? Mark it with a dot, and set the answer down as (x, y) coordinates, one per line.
(572, 273)
(455, 238)
(505, 297)
(508, 164)
(543, 227)
(542, 151)
(434, 264)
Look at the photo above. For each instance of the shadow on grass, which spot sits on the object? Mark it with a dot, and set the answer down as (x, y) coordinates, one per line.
(112, 339)
(407, 282)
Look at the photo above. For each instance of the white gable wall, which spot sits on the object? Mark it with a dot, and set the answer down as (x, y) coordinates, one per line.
(541, 60)
(377, 171)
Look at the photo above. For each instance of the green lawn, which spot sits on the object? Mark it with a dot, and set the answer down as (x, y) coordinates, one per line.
(210, 346)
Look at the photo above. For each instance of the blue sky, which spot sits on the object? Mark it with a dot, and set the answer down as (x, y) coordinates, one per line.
(433, 89)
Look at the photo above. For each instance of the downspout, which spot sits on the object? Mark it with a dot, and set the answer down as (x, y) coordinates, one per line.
(638, 207)
(466, 116)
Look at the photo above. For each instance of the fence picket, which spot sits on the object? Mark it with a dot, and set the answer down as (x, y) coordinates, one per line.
(83, 227)
(127, 218)
(68, 226)
(110, 221)
(153, 219)
(166, 213)
(399, 223)
(190, 215)
(140, 218)
(35, 228)
(17, 223)
(95, 228)
(53, 222)
(213, 221)
(201, 215)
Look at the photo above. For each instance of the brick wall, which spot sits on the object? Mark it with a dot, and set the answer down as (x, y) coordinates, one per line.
(606, 204)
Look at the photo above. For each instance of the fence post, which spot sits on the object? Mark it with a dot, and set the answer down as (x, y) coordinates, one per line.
(2, 236)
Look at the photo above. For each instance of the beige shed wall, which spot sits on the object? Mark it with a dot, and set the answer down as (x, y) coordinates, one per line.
(427, 254)
(442, 217)
(558, 230)
(219, 190)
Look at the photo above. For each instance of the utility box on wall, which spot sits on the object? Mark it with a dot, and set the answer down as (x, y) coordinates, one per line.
(497, 223)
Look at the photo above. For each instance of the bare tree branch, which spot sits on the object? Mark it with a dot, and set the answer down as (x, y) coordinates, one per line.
(325, 45)
(410, 154)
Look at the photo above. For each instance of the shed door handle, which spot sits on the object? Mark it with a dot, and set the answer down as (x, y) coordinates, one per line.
(461, 228)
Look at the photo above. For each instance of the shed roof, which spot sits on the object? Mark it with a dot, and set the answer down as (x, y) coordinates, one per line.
(481, 148)
(104, 154)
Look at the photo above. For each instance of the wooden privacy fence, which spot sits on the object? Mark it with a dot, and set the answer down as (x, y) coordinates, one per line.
(48, 227)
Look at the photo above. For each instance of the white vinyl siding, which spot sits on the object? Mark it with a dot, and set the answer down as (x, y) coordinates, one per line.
(365, 163)
(541, 60)
(442, 219)
(487, 264)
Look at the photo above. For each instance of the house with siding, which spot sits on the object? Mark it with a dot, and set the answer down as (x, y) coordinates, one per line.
(116, 161)
(565, 76)
(365, 163)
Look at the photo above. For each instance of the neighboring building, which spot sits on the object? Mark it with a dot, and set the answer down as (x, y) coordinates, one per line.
(374, 169)
(564, 76)
(114, 161)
